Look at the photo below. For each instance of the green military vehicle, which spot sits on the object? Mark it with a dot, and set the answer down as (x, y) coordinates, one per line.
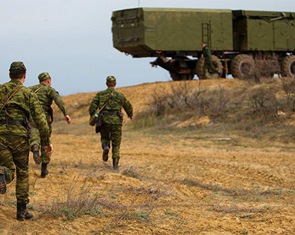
(243, 43)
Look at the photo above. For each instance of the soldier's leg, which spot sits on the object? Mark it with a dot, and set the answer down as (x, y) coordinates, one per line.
(206, 68)
(212, 69)
(20, 152)
(7, 167)
(105, 141)
(45, 157)
(116, 136)
(21, 160)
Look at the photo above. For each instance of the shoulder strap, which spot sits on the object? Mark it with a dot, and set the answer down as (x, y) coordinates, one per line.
(10, 95)
(38, 89)
(105, 103)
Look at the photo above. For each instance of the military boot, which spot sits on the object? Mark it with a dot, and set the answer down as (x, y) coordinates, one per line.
(36, 154)
(22, 213)
(115, 163)
(44, 170)
(2, 180)
(105, 153)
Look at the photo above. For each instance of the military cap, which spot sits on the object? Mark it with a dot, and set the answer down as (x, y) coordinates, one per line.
(43, 76)
(111, 79)
(17, 66)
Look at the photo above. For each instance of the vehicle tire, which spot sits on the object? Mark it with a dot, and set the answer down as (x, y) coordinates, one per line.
(288, 66)
(187, 76)
(216, 63)
(243, 67)
(181, 77)
(175, 76)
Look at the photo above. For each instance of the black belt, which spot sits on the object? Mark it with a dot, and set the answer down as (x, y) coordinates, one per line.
(12, 122)
(110, 112)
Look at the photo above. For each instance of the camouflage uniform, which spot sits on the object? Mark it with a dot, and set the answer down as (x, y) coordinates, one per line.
(14, 140)
(46, 96)
(111, 131)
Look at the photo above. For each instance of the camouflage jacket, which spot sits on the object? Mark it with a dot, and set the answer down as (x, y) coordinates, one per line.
(46, 96)
(20, 108)
(115, 104)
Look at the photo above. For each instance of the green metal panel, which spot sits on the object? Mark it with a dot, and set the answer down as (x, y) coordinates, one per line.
(263, 31)
(128, 31)
(284, 35)
(141, 31)
(260, 35)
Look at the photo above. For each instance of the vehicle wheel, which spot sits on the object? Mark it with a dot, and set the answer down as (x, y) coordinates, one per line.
(288, 66)
(187, 76)
(175, 76)
(216, 63)
(243, 66)
(181, 77)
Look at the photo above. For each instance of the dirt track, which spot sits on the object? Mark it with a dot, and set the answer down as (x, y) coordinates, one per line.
(167, 183)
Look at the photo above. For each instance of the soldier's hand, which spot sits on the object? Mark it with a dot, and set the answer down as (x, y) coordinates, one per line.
(68, 119)
(48, 149)
(37, 158)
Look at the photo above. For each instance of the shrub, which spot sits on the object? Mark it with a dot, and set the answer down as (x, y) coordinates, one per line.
(78, 202)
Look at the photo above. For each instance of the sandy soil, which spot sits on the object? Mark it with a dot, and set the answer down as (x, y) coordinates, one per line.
(168, 183)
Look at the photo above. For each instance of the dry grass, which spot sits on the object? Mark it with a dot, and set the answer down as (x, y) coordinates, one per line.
(248, 107)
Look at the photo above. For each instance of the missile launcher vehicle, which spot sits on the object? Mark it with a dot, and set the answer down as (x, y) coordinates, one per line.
(242, 42)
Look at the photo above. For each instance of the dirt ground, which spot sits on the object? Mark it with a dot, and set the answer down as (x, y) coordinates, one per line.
(191, 182)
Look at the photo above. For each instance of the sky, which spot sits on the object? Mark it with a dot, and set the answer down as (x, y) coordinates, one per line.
(72, 40)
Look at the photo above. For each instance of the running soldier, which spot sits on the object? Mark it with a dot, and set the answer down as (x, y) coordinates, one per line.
(46, 95)
(18, 105)
(111, 102)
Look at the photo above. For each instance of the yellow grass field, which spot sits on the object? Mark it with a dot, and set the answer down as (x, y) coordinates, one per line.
(168, 182)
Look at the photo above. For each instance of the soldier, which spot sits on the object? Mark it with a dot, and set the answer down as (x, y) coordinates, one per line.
(208, 65)
(46, 95)
(17, 105)
(112, 119)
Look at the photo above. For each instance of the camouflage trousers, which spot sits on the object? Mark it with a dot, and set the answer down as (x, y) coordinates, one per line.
(111, 134)
(35, 140)
(14, 157)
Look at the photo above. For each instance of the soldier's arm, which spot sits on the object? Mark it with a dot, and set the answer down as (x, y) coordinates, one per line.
(58, 101)
(128, 108)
